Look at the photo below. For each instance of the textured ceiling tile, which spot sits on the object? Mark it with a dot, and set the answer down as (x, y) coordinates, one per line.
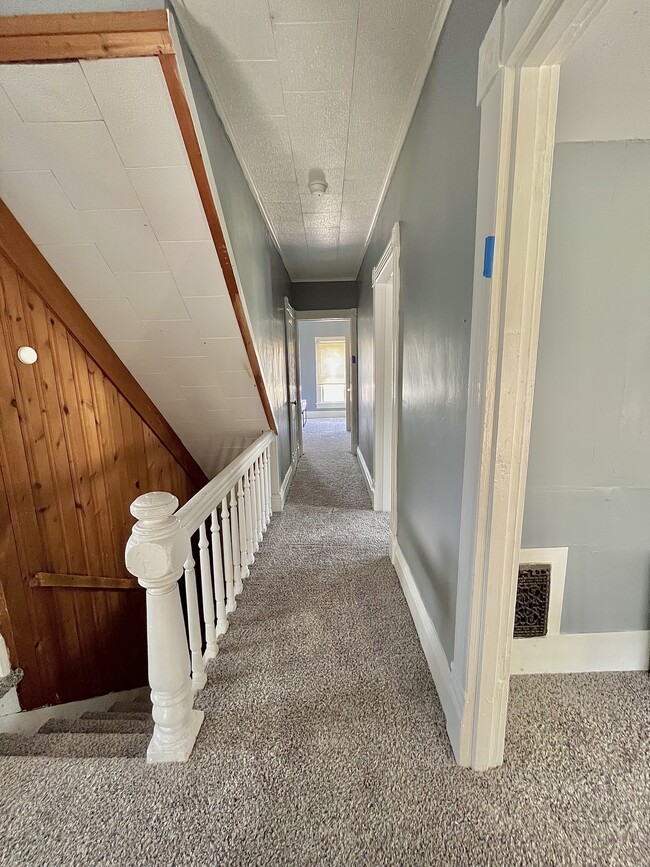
(171, 202)
(213, 317)
(327, 204)
(18, 150)
(317, 222)
(248, 87)
(174, 339)
(125, 239)
(153, 295)
(272, 190)
(284, 213)
(239, 31)
(43, 209)
(195, 267)
(134, 101)
(227, 353)
(115, 318)
(49, 92)
(318, 126)
(83, 270)
(200, 370)
(368, 189)
(266, 147)
(140, 356)
(83, 159)
(283, 11)
(316, 56)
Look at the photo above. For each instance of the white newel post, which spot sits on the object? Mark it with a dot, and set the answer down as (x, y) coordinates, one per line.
(155, 554)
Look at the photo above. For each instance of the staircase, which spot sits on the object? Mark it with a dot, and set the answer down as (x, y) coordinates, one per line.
(123, 731)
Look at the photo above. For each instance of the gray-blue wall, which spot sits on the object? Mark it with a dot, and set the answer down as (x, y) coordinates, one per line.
(589, 465)
(264, 279)
(325, 295)
(309, 331)
(433, 195)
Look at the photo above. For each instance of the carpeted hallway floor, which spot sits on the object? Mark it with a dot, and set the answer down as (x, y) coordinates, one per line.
(324, 742)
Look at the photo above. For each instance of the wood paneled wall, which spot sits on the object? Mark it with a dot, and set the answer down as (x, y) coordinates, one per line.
(74, 454)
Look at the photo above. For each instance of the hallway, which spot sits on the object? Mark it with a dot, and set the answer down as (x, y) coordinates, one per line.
(324, 741)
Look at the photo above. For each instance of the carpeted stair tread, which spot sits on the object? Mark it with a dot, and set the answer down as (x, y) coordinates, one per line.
(97, 726)
(141, 705)
(76, 746)
(116, 714)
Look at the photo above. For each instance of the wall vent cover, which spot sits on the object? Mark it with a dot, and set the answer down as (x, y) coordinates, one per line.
(531, 607)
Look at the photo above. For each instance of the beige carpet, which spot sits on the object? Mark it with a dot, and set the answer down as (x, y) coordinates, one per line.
(324, 741)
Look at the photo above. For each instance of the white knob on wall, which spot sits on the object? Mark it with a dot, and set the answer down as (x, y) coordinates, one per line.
(27, 355)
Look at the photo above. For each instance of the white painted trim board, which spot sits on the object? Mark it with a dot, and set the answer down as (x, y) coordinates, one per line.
(431, 646)
(366, 474)
(279, 499)
(581, 652)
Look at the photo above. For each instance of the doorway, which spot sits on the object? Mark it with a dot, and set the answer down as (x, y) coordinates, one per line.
(327, 370)
(385, 289)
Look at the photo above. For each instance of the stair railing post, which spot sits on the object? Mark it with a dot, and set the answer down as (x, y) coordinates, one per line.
(155, 554)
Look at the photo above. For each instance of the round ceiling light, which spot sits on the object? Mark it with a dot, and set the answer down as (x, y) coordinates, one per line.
(27, 355)
(318, 188)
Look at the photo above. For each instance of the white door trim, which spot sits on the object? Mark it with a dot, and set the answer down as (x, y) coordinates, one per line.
(343, 315)
(521, 54)
(385, 490)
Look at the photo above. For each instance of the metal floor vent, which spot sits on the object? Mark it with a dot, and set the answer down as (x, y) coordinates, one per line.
(531, 607)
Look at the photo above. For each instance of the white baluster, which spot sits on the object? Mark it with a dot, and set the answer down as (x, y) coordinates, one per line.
(231, 602)
(207, 597)
(194, 625)
(254, 515)
(155, 554)
(258, 499)
(243, 544)
(249, 520)
(269, 489)
(236, 553)
(217, 575)
(265, 510)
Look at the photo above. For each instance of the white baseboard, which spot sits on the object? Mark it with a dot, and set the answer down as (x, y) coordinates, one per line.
(366, 474)
(28, 722)
(581, 652)
(432, 647)
(278, 500)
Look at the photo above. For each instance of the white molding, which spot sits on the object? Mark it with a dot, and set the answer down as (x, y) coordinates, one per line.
(557, 559)
(581, 652)
(504, 344)
(385, 496)
(29, 721)
(489, 55)
(366, 473)
(431, 646)
(279, 499)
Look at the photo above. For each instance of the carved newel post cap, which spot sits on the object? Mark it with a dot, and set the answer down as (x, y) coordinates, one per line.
(154, 505)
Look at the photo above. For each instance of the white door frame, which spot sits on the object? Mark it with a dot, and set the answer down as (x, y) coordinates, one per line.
(520, 58)
(295, 423)
(345, 315)
(386, 360)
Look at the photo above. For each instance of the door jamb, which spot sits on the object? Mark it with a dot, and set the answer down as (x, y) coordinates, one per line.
(392, 251)
(524, 46)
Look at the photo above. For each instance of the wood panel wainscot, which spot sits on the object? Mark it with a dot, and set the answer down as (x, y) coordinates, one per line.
(74, 454)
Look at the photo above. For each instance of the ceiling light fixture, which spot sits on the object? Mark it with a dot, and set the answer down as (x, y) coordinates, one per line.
(317, 183)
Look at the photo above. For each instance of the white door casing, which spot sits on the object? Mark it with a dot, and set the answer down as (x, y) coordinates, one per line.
(519, 65)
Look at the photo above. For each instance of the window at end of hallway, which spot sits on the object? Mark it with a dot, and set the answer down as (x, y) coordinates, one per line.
(330, 372)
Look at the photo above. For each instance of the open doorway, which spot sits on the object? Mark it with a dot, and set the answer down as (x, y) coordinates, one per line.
(581, 273)
(327, 372)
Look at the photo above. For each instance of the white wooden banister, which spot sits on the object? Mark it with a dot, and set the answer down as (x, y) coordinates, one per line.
(230, 515)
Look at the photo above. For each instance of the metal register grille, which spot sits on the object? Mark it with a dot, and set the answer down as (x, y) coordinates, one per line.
(531, 607)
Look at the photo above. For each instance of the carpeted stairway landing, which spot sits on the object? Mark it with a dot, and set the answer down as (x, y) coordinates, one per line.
(324, 742)
(123, 731)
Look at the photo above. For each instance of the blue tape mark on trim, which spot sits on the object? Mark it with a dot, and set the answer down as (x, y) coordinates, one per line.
(488, 256)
